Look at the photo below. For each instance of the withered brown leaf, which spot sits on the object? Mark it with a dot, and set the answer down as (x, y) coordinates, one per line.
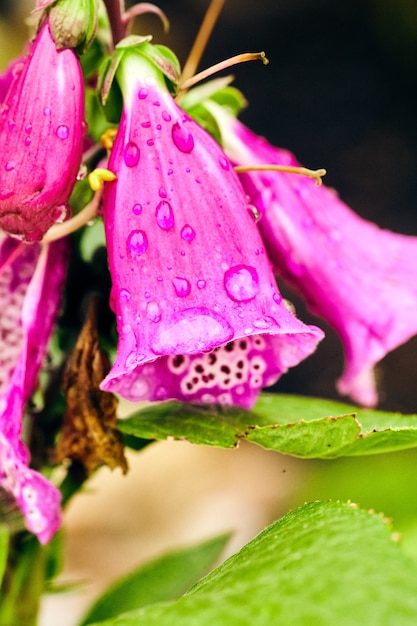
(89, 433)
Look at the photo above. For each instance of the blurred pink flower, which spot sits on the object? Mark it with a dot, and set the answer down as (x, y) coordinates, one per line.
(31, 278)
(361, 279)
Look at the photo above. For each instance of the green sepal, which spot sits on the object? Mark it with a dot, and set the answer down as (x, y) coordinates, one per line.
(162, 57)
(206, 119)
(73, 24)
(218, 90)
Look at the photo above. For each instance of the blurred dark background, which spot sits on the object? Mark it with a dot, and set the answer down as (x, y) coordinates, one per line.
(340, 93)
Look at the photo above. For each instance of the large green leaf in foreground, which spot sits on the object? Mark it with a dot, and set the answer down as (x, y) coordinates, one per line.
(296, 425)
(323, 564)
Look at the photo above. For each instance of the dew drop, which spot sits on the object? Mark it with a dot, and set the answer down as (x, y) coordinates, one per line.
(153, 312)
(137, 242)
(263, 323)
(182, 286)
(170, 171)
(224, 163)
(187, 233)
(150, 142)
(182, 138)
(201, 284)
(143, 93)
(124, 295)
(164, 215)
(146, 124)
(254, 213)
(9, 166)
(277, 297)
(11, 124)
(166, 116)
(241, 283)
(62, 132)
(47, 111)
(131, 154)
(137, 208)
(126, 328)
(28, 141)
(162, 192)
(156, 103)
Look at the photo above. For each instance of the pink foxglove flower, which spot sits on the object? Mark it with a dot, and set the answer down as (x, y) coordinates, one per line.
(30, 284)
(41, 138)
(199, 315)
(360, 278)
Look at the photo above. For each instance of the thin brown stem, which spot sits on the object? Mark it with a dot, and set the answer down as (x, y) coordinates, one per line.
(223, 65)
(89, 212)
(202, 38)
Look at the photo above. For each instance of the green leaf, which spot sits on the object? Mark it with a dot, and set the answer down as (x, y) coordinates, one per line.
(326, 563)
(203, 117)
(300, 426)
(166, 578)
(4, 549)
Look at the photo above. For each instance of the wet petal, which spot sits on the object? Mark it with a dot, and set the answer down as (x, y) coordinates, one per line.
(41, 136)
(188, 266)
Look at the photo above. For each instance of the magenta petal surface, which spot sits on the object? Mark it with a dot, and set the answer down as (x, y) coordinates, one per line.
(41, 136)
(360, 278)
(188, 266)
(30, 285)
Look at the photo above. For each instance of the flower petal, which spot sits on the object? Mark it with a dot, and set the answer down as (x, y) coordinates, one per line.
(360, 278)
(41, 138)
(30, 283)
(188, 266)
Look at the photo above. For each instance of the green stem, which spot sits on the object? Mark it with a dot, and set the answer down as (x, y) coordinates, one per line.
(23, 583)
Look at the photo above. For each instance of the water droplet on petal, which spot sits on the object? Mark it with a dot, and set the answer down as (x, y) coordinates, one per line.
(241, 283)
(131, 154)
(137, 242)
(187, 233)
(182, 138)
(201, 284)
(162, 192)
(164, 215)
(193, 330)
(182, 286)
(224, 162)
(28, 128)
(263, 323)
(277, 297)
(28, 141)
(143, 93)
(166, 116)
(150, 142)
(146, 124)
(153, 312)
(137, 208)
(124, 295)
(126, 328)
(254, 213)
(47, 111)
(11, 124)
(62, 132)
(9, 166)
